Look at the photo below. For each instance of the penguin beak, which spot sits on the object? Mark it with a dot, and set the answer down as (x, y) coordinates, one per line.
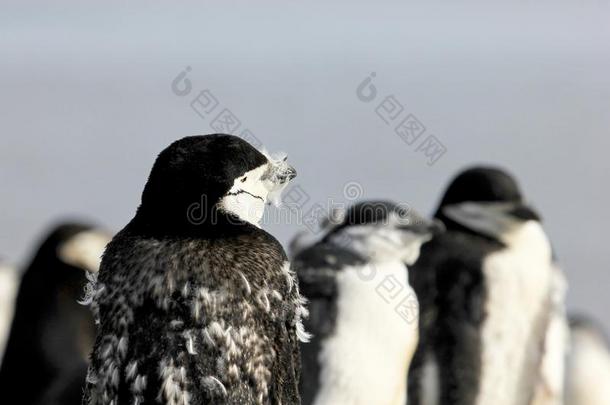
(436, 227)
(425, 227)
(287, 174)
(524, 212)
(280, 174)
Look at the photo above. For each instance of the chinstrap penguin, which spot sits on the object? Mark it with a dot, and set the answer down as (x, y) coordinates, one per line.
(52, 334)
(487, 293)
(363, 313)
(196, 303)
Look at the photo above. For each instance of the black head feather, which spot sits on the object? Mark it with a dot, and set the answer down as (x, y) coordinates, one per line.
(379, 211)
(193, 170)
(485, 184)
(48, 266)
(367, 213)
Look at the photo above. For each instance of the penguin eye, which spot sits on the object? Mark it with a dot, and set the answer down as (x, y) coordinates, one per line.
(244, 179)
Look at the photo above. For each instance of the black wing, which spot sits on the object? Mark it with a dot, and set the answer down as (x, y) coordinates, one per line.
(450, 288)
(317, 267)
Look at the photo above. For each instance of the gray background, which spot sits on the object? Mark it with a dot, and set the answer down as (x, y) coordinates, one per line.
(86, 105)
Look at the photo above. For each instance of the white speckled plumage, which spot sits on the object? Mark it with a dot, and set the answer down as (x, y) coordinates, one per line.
(206, 306)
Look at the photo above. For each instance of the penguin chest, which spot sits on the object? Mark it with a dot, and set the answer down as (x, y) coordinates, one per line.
(365, 361)
(518, 281)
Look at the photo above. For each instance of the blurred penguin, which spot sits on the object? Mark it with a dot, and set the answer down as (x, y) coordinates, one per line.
(8, 290)
(363, 313)
(488, 296)
(51, 333)
(588, 367)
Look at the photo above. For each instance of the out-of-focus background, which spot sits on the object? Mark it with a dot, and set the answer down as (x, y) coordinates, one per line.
(87, 102)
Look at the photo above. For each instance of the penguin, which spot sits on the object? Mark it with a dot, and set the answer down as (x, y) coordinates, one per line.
(363, 312)
(487, 293)
(52, 334)
(196, 304)
(588, 365)
(8, 290)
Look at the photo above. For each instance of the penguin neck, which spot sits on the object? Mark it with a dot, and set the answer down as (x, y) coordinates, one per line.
(209, 225)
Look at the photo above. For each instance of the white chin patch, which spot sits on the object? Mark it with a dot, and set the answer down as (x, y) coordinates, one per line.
(251, 191)
(84, 250)
(245, 207)
(247, 197)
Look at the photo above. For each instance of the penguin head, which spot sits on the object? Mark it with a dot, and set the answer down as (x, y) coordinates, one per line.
(383, 231)
(71, 249)
(486, 200)
(67, 253)
(210, 180)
